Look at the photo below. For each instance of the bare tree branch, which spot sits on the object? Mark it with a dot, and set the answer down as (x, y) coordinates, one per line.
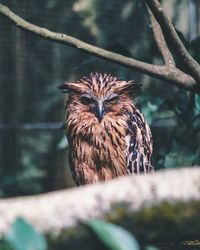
(173, 76)
(146, 205)
(160, 40)
(170, 33)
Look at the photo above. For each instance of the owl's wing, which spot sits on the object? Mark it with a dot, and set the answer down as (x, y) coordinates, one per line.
(138, 144)
(74, 173)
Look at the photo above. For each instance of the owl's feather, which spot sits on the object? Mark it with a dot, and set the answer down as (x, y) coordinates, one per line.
(108, 136)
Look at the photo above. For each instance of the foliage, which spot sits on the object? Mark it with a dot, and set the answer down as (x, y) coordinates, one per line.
(23, 236)
(175, 122)
(114, 237)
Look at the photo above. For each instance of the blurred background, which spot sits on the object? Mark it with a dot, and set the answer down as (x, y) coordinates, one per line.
(33, 148)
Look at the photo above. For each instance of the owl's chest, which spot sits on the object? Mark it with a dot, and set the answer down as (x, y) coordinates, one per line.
(105, 139)
(100, 151)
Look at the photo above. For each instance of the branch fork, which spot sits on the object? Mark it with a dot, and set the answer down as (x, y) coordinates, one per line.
(161, 26)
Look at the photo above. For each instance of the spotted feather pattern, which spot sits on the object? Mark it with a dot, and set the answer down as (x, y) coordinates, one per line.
(118, 144)
(138, 143)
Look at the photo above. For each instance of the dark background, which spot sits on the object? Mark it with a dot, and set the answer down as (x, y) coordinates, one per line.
(33, 148)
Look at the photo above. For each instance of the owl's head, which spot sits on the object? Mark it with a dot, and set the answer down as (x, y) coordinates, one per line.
(99, 94)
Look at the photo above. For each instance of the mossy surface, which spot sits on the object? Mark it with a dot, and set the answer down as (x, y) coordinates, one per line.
(167, 225)
(80, 237)
(165, 222)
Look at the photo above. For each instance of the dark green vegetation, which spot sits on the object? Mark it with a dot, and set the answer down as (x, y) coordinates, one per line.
(107, 236)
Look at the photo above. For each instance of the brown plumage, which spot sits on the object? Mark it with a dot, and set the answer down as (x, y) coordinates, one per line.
(107, 134)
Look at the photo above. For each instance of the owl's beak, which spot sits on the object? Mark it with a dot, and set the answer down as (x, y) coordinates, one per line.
(100, 111)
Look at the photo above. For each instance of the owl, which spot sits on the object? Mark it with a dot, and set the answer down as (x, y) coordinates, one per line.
(108, 136)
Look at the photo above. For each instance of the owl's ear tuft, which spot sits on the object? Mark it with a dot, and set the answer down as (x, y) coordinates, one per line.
(70, 87)
(128, 86)
(64, 88)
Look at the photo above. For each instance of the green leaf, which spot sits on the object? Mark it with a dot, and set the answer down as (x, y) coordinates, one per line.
(114, 237)
(23, 236)
(179, 156)
(63, 143)
(148, 114)
(151, 248)
(197, 102)
(152, 107)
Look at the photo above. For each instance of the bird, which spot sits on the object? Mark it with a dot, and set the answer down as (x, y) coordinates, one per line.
(108, 136)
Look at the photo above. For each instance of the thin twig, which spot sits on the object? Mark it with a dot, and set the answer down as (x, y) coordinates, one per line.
(172, 75)
(160, 40)
(170, 33)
